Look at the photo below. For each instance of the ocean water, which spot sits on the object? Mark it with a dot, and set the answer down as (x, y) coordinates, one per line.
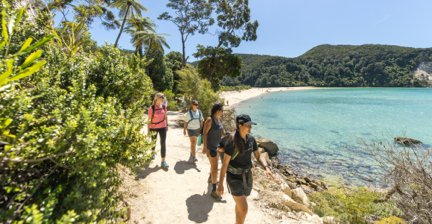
(322, 132)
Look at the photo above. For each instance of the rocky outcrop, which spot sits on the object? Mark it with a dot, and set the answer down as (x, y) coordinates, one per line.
(269, 146)
(407, 141)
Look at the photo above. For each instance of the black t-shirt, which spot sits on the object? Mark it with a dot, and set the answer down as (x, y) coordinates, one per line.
(242, 160)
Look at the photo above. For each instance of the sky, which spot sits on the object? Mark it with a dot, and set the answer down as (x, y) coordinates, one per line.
(292, 27)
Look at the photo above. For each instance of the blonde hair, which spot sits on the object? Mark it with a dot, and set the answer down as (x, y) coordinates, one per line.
(157, 96)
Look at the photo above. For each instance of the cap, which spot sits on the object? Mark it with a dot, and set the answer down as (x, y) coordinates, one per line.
(195, 102)
(244, 119)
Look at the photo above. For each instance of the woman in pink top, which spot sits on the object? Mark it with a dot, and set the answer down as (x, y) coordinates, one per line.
(158, 123)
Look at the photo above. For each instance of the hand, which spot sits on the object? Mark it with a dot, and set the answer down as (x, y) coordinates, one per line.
(268, 172)
(220, 189)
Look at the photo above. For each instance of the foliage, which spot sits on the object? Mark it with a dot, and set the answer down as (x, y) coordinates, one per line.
(161, 76)
(193, 87)
(391, 220)
(233, 18)
(408, 171)
(127, 9)
(190, 16)
(75, 121)
(173, 61)
(216, 64)
(172, 100)
(326, 65)
(351, 205)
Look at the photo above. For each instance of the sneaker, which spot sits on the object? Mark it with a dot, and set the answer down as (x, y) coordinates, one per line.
(216, 196)
(190, 160)
(164, 165)
(195, 159)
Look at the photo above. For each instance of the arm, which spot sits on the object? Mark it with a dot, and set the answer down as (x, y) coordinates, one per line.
(207, 126)
(186, 124)
(226, 160)
(263, 162)
(150, 114)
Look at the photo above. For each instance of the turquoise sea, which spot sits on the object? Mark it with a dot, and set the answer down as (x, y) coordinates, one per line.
(321, 131)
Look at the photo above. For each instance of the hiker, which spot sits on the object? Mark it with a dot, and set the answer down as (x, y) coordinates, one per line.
(237, 164)
(212, 134)
(158, 124)
(192, 127)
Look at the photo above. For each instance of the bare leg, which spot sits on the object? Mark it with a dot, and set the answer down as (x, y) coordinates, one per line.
(193, 141)
(241, 209)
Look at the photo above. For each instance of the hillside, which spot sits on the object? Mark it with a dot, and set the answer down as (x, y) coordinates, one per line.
(337, 65)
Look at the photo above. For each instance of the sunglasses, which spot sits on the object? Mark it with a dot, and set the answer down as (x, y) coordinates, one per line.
(194, 104)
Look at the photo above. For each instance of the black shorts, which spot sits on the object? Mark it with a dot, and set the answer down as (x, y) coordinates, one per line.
(213, 153)
(236, 186)
(194, 133)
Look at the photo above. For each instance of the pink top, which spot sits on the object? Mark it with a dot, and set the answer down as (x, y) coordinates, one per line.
(159, 120)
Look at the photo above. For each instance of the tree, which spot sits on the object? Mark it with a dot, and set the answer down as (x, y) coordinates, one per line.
(233, 17)
(174, 62)
(161, 76)
(138, 27)
(190, 16)
(85, 11)
(128, 8)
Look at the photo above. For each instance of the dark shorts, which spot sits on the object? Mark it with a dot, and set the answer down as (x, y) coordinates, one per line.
(213, 153)
(193, 133)
(236, 186)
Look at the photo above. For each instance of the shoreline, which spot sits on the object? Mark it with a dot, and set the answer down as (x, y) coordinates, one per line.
(235, 97)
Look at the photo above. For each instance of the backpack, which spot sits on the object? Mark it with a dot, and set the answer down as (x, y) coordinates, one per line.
(153, 112)
(193, 118)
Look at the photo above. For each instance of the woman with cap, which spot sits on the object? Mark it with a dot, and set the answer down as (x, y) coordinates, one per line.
(237, 164)
(192, 126)
(212, 134)
(158, 124)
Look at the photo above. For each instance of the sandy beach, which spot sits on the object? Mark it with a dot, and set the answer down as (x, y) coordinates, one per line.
(235, 97)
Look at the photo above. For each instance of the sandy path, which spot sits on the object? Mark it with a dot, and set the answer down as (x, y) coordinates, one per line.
(181, 194)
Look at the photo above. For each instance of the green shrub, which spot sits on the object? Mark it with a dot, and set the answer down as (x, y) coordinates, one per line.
(351, 205)
(74, 122)
(391, 220)
(172, 102)
(193, 87)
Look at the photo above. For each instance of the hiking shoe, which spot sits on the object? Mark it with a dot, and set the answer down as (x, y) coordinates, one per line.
(190, 160)
(164, 165)
(216, 196)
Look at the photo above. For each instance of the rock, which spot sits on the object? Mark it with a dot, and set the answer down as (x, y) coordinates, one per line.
(300, 196)
(329, 220)
(407, 141)
(295, 206)
(270, 147)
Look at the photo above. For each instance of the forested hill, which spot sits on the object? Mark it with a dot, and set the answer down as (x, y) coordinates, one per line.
(336, 65)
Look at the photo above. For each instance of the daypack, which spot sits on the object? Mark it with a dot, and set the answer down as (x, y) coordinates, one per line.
(193, 118)
(153, 112)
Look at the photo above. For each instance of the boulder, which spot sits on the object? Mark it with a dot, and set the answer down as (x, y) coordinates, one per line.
(269, 146)
(300, 196)
(407, 141)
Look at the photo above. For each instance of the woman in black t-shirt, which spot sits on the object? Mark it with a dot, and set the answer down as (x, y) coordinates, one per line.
(237, 165)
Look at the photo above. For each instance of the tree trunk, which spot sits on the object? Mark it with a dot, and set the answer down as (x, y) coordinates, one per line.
(183, 50)
(122, 26)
